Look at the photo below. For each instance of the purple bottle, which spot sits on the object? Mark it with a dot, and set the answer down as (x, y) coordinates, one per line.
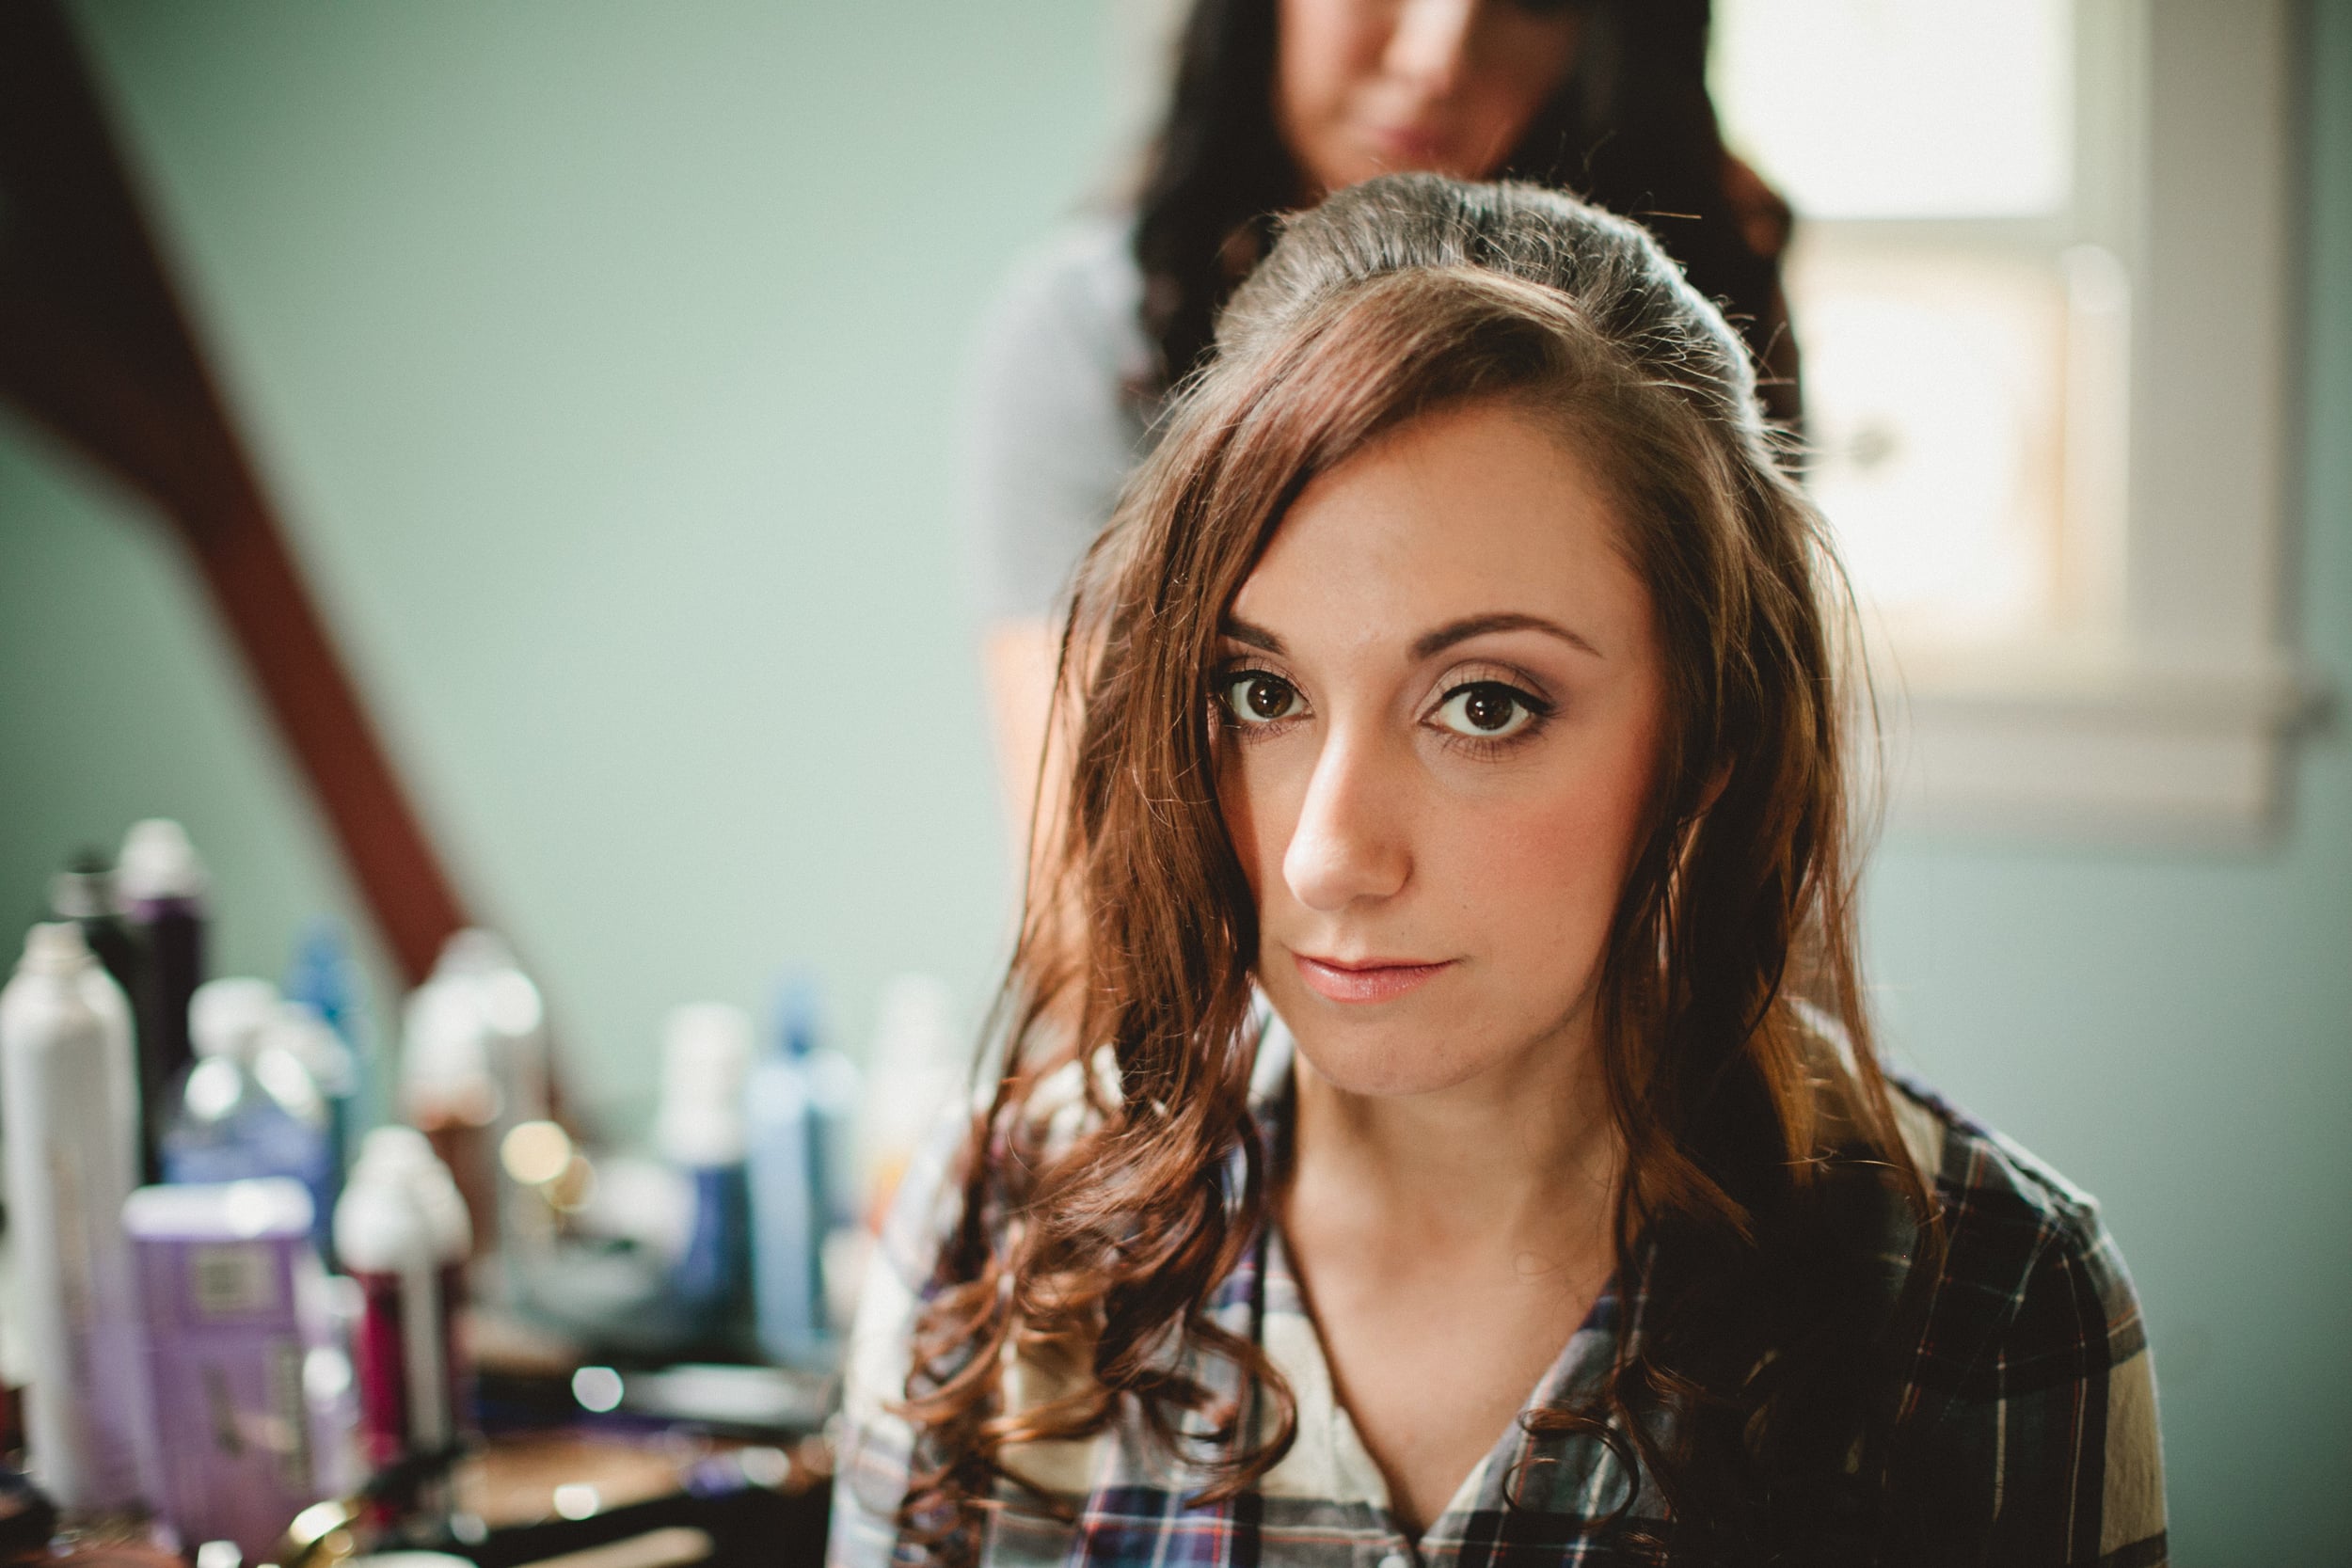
(161, 885)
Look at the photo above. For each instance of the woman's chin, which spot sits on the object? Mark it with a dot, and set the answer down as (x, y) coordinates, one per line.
(1396, 1056)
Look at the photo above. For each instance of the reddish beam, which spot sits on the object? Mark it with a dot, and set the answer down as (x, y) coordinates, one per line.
(95, 348)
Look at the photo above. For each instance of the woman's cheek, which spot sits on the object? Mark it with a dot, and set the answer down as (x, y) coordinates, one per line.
(1249, 796)
(1542, 877)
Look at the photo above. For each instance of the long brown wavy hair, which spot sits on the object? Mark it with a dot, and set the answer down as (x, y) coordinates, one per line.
(1760, 1154)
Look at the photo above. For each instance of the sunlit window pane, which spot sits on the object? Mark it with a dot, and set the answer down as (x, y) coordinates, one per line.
(1933, 393)
(1900, 108)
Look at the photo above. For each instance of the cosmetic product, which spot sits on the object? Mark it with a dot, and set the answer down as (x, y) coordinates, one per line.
(161, 885)
(449, 1092)
(386, 1245)
(325, 976)
(515, 1045)
(699, 1129)
(299, 1033)
(515, 1019)
(248, 1107)
(799, 1109)
(251, 1396)
(403, 1158)
(85, 893)
(916, 1070)
(68, 1094)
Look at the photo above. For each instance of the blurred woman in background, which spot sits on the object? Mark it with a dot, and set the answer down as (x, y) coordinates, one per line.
(1275, 102)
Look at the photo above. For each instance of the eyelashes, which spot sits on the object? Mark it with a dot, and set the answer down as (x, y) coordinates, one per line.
(1483, 716)
(1255, 698)
(1489, 711)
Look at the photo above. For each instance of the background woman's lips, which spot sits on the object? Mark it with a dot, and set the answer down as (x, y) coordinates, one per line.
(1368, 983)
(1411, 146)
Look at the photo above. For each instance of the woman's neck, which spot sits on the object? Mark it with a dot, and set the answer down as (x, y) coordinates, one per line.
(1527, 1159)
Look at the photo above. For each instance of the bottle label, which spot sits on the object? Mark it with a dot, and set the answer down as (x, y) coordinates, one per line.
(232, 1280)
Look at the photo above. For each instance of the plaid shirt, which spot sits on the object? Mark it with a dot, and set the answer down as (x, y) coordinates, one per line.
(2026, 1394)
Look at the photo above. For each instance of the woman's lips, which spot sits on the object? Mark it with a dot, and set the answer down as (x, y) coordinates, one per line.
(1411, 146)
(1375, 980)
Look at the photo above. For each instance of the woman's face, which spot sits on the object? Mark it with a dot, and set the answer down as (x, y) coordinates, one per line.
(1372, 86)
(1440, 694)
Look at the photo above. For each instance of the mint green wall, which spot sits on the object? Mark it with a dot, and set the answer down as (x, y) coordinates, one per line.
(601, 357)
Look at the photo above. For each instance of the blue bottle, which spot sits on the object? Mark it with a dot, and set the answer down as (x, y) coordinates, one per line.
(295, 1031)
(325, 978)
(247, 1107)
(799, 1113)
(707, 1047)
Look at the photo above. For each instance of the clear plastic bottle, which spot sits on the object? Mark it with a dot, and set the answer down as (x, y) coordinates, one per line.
(297, 1030)
(247, 1106)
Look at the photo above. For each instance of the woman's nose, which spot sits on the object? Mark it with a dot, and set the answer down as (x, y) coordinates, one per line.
(1348, 843)
(1431, 44)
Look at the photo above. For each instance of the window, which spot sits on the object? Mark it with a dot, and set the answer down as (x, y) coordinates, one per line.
(2040, 282)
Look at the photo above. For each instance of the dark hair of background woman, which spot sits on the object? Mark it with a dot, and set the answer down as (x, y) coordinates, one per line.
(1632, 130)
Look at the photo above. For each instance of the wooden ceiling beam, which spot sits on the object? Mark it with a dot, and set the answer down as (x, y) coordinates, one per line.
(96, 349)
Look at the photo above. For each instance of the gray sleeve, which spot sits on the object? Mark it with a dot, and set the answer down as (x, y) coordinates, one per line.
(1048, 433)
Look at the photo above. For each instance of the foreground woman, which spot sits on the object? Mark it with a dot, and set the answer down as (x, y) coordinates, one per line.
(1437, 1119)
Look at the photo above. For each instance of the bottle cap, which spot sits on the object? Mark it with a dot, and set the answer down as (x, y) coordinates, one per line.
(380, 1226)
(158, 861)
(799, 1012)
(265, 1206)
(323, 972)
(55, 947)
(403, 1157)
(474, 951)
(445, 1054)
(85, 890)
(226, 1018)
(296, 1028)
(706, 1053)
(395, 1147)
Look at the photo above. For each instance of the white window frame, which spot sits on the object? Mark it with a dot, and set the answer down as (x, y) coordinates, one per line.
(2170, 722)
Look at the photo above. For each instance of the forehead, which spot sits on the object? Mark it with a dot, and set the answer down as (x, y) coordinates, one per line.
(1484, 510)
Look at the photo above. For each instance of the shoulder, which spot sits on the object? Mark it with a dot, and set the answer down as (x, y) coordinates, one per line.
(2027, 1397)
(1052, 420)
(2020, 1240)
(1078, 289)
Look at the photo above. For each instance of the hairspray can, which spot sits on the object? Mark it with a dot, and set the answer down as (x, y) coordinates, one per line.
(70, 1105)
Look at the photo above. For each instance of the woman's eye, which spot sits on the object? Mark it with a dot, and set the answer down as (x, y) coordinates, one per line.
(1485, 711)
(1254, 697)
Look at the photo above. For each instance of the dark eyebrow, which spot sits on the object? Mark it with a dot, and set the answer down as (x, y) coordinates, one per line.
(1476, 626)
(1251, 636)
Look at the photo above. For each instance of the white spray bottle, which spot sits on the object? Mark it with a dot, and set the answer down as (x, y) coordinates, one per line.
(68, 1090)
